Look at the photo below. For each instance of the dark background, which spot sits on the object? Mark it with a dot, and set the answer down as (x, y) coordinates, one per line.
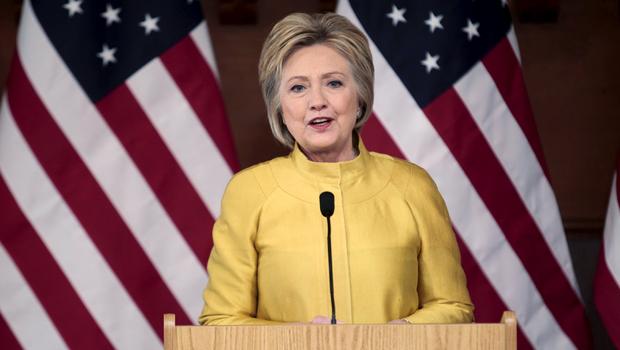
(571, 62)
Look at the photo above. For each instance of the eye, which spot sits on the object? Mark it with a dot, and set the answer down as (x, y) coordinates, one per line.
(334, 83)
(297, 88)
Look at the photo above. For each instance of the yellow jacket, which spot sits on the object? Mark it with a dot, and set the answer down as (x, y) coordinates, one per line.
(394, 251)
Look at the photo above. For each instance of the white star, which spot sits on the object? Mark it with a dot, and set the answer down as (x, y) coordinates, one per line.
(73, 6)
(430, 62)
(471, 29)
(397, 15)
(107, 55)
(434, 22)
(150, 24)
(111, 15)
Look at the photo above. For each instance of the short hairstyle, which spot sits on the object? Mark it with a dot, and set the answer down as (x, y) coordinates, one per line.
(300, 30)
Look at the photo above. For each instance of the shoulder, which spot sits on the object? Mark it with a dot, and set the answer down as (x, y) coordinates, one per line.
(254, 181)
(417, 187)
(404, 174)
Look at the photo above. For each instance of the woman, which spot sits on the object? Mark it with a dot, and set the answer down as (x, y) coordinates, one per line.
(395, 258)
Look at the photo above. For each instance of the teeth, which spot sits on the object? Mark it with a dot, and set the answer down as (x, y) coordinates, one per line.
(319, 121)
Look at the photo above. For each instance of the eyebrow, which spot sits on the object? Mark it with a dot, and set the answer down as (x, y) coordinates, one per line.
(325, 75)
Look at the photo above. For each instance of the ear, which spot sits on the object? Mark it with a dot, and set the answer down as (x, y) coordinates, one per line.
(280, 115)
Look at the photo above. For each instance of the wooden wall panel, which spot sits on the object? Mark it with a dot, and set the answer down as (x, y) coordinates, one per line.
(9, 15)
(572, 72)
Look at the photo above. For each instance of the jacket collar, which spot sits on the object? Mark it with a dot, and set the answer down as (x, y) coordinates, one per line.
(357, 180)
(332, 173)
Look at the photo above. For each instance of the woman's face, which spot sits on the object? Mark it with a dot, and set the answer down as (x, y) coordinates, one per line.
(319, 102)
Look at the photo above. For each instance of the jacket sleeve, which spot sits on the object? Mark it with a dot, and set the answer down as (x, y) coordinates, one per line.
(442, 286)
(231, 293)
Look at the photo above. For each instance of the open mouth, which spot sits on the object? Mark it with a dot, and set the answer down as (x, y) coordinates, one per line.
(320, 121)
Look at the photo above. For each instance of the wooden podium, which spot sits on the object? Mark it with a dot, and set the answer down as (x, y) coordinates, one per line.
(494, 336)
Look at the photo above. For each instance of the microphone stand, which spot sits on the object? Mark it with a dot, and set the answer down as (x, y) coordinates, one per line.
(331, 270)
(326, 201)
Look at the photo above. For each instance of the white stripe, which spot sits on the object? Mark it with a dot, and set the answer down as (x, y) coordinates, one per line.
(93, 280)
(419, 141)
(200, 36)
(512, 39)
(611, 234)
(182, 131)
(109, 163)
(518, 159)
(22, 311)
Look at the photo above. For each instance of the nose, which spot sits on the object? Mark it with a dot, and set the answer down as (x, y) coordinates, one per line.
(317, 100)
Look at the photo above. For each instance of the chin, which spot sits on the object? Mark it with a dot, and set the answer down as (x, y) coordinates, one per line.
(320, 147)
(322, 144)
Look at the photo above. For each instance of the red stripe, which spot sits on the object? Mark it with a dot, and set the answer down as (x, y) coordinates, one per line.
(457, 128)
(607, 298)
(89, 203)
(501, 62)
(377, 139)
(7, 338)
(488, 304)
(196, 81)
(131, 125)
(46, 279)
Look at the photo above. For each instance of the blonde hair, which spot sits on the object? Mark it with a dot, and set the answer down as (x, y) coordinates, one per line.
(301, 30)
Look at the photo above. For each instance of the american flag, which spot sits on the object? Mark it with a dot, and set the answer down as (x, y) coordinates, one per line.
(450, 96)
(114, 154)
(607, 279)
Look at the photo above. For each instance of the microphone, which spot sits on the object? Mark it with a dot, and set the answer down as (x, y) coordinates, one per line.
(326, 200)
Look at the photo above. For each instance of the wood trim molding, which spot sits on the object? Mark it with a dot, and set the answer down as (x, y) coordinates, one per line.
(584, 226)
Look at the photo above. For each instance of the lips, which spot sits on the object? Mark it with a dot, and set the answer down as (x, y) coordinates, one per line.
(320, 123)
(320, 120)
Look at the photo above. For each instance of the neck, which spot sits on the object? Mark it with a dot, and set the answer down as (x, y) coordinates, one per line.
(331, 156)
